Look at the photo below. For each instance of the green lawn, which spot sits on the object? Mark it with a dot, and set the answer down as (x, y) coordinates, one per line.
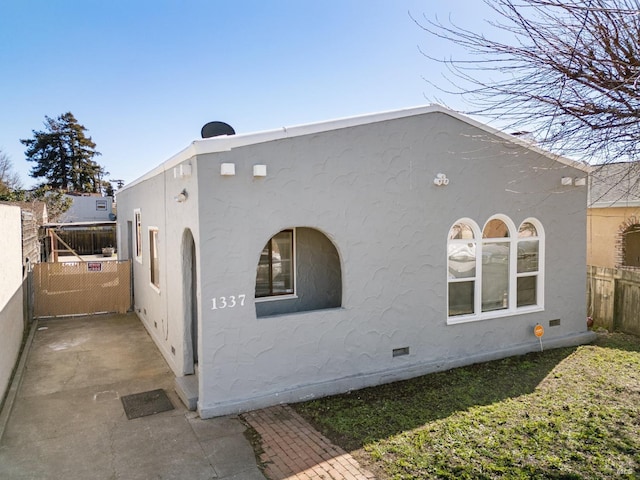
(565, 413)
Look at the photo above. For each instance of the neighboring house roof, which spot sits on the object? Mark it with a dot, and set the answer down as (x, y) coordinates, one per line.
(38, 208)
(226, 143)
(615, 185)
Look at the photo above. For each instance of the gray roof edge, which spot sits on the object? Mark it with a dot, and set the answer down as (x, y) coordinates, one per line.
(519, 141)
(616, 204)
(227, 142)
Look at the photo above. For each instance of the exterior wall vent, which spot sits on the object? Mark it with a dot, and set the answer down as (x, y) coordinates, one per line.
(398, 352)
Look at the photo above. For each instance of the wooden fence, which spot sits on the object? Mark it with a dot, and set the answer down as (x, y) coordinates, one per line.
(75, 288)
(613, 297)
(88, 240)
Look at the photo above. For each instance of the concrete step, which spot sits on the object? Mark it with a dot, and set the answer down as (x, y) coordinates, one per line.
(187, 389)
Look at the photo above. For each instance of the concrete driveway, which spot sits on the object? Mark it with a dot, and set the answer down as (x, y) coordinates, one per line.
(68, 420)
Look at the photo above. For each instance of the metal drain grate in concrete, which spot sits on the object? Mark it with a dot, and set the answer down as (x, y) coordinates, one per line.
(146, 403)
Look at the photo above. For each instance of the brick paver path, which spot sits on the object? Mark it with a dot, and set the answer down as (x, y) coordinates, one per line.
(293, 450)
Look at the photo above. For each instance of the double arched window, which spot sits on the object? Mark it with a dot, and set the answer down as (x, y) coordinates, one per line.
(495, 271)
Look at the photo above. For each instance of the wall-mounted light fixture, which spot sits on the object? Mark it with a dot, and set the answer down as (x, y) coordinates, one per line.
(182, 196)
(441, 180)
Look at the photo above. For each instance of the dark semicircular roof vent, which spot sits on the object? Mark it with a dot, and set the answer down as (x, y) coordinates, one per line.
(215, 129)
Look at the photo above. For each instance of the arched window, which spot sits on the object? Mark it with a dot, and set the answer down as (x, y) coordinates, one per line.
(462, 259)
(496, 254)
(631, 246)
(298, 270)
(529, 256)
(497, 274)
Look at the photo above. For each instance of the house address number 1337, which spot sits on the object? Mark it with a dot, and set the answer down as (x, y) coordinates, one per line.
(231, 301)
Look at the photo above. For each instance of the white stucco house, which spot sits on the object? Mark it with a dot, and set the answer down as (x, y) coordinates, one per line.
(87, 207)
(305, 261)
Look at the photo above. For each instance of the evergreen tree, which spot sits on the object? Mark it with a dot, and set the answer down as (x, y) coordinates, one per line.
(63, 156)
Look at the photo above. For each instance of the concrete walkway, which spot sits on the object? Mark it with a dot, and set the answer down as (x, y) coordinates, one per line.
(68, 421)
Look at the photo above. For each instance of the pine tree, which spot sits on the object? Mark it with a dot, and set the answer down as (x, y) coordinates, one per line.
(63, 156)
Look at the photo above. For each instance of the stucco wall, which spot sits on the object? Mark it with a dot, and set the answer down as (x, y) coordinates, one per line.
(162, 309)
(11, 306)
(369, 189)
(603, 227)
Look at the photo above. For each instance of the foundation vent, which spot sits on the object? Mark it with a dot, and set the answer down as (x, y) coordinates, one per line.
(398, 352)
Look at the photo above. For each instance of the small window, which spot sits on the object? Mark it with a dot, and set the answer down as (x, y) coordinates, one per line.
(275, 269)
(461, 262)
(138, 246)
(101, 205)
(153, 256)
(496, 248)
(528, 265)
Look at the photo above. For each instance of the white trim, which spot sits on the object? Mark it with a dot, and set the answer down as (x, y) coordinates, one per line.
(151, 258)
(137, 240)
(494, 314)
(276, 297)
(294, 265)
(541, 259)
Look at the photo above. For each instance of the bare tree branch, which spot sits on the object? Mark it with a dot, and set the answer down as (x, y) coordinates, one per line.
(9, 178)
(570, 73)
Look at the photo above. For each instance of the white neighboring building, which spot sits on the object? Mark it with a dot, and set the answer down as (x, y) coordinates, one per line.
(11, 301)
(88, 208)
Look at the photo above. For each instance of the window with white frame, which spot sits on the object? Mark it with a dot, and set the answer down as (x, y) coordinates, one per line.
(154, 265)
(529, 255)
(494, 273)
(496, 249)
(462, 268)
(275, 274)
(138, 240)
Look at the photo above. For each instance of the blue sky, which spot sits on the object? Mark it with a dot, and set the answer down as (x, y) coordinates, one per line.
(144, 76)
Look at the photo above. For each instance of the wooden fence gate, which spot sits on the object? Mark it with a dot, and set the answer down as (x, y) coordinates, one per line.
(76, 288)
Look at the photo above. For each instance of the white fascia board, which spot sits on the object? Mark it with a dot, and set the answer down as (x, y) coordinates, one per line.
(177, 159)
(225, 143)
